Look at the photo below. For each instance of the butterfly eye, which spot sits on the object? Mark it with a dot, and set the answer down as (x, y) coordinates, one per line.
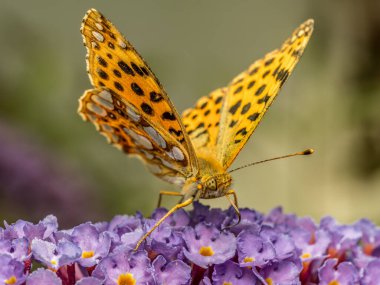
(211, 184)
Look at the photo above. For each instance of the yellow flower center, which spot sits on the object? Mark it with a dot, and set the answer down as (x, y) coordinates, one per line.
(206, 251)
(11, 280)
(53, 262)
(126, 279)
(87, 254)
(334, 282)
(306, 255)
(249, 259)
(227, 283)
(269, 281)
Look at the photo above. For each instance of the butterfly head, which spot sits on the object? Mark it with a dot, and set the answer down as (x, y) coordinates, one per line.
(208, 186)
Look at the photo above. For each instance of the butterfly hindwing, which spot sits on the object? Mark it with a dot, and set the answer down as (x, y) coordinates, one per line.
(114, 66)
(250, 94)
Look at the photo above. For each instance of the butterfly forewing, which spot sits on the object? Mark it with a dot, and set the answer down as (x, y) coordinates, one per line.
(115, 67)
(251, 93)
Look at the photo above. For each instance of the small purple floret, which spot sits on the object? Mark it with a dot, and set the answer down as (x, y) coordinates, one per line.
(43, 276)
(11, 270)
(206, 245)
(55, 255)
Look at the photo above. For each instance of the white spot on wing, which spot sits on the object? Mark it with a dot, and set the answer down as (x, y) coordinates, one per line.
(94, 44)
(99, 26)
(122, 44)
(147, 154)
(98, 36)
(133, 115)
(139, 139)
(96, 109)
(156, 137)
(166, 163)
(102, 102)
(106, 95)
(107, 128)
(177, 153)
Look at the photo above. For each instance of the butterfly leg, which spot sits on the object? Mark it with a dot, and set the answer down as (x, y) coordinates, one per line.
(234, 204)
(167, 193)
(172, 210)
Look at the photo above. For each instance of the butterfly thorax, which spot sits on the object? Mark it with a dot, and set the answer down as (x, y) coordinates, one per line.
(212, 181)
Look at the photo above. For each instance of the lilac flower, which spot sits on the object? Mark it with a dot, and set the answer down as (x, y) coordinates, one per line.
(283, 272)
(195, 247)
(125, 268)
(124, 224)
(43, 276)
(171, 272)
(344, 273)
(55, 255)
(254, 250)
(94, 245)
(16, 248)
(206, 245)
(372, 273)
(202, 213)
(11, 270)
(283, 245)
(231, 273)
(21, 229)
(344, 237)
(250, 219)
(165, 240)
(177, 220)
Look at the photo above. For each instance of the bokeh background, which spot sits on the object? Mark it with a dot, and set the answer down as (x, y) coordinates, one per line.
(53, 162)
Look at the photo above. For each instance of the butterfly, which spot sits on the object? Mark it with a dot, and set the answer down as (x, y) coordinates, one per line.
(129, 106)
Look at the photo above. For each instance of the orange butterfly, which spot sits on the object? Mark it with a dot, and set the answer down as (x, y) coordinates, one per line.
(129, 106)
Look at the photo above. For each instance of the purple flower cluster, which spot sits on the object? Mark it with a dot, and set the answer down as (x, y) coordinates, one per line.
(196, 247)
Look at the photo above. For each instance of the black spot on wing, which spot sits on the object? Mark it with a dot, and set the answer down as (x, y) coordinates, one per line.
(147, 109)
(125, 67)
(118, 86)
(155, 97)
(235, 107)
(253, 71)
(137, 69)
(263, 100)
(242, 131)
(269, 61)
(260, 89)
(175, 132)
(218, 100)
(266, 73)
(251, 84)
(237, 90)
(168, 116)
(203, 105)
(101, 61)
(102, 74)
(245, 108)
(233, 123)
(200, 125)
(253, 117)
(117, 73)
(137, 89)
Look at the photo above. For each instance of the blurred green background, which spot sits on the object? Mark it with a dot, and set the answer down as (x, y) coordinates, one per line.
(53, 162)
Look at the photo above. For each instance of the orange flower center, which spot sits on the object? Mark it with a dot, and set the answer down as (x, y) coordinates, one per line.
(206, 251)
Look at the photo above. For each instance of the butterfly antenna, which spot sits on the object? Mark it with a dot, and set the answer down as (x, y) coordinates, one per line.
(305, 152)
